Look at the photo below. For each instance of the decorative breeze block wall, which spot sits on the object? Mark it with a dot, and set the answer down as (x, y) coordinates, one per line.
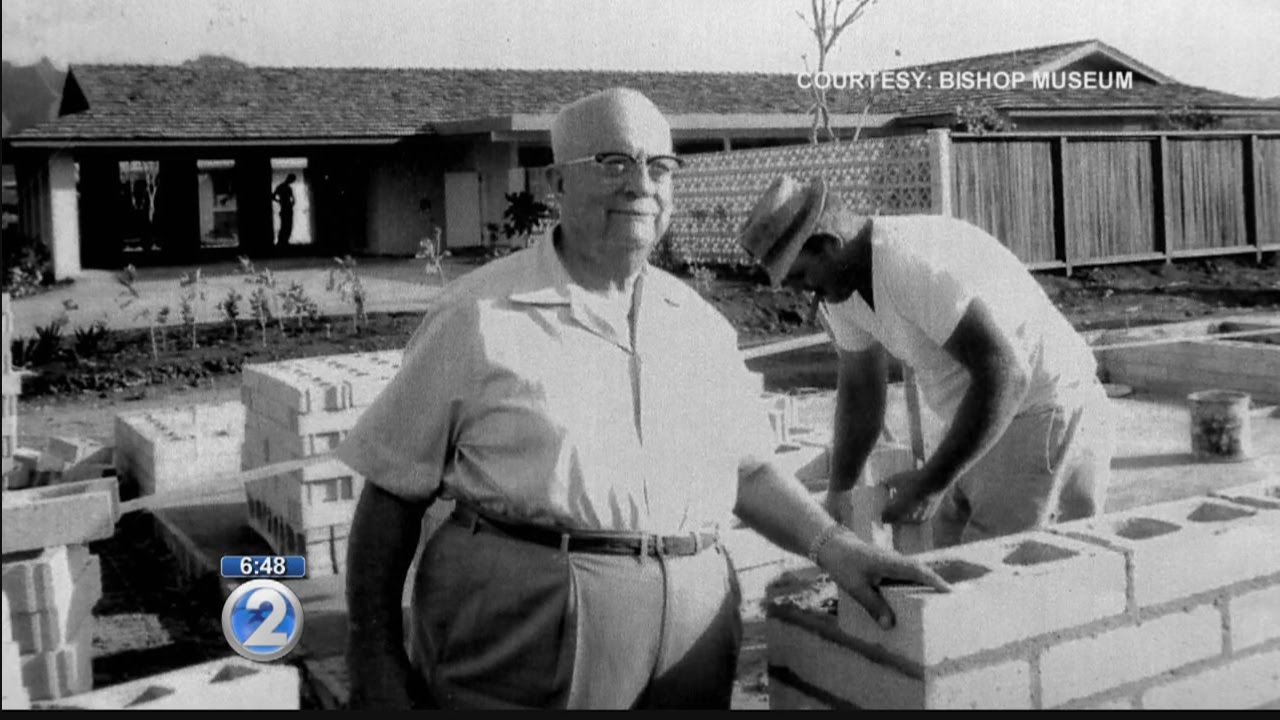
(715, 192)
(1174, 605)
(296, 409)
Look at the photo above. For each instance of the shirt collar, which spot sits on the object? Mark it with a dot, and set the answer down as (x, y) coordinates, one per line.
(550, 283)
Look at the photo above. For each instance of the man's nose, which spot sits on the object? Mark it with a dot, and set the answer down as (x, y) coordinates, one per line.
(637, 181)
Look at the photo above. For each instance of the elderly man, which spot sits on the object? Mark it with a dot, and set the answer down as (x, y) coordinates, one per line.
(593, 419)
(1028, 441)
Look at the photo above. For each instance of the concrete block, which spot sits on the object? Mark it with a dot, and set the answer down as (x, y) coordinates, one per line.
(13, 694)
(39, 579)
(1242, 684)
(1255, 617)
(228, 684)
(1264, 494)
(67, 514)
(58, 673)
(1188, 546)
(73, 450)
(59, 621)
(11, 383)
(811, 465)
(846, 674)
(1005, 590)
(1078, 668)
(88, 471)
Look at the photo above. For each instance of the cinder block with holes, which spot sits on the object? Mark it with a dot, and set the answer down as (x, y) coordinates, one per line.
(178, 448)
(66, 514)
(1185, 547)
(1255, 618)
(1006, 590)
(227, 684)
(59, 621)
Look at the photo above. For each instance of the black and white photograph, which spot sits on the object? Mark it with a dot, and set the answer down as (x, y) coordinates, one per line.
(589, 354)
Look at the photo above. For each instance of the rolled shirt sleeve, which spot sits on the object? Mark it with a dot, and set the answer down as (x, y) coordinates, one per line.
(406, 439)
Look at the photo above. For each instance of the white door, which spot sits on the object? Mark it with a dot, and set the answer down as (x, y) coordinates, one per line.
(463, 226)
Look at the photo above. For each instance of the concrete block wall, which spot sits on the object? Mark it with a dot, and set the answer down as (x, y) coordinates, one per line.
(50, 594)
(296, 409)
(1174, 605)
(178, 448)
(228, 684)
(1185, 367)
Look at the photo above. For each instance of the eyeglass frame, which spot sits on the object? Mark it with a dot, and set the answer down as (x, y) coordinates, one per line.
(599, 159)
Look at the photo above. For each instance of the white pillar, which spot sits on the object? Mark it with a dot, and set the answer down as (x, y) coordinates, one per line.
(940, 171)
(64, 217)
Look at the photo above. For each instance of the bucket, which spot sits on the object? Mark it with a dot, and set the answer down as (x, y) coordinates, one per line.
(1220, 425)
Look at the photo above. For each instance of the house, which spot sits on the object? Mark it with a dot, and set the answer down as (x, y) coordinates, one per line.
(183, 163)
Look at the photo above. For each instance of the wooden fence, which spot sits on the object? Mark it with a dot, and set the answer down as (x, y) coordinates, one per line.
(1057, 200)
(1064, 200)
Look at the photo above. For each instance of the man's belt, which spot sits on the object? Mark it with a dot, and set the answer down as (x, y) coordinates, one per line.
(588, 541)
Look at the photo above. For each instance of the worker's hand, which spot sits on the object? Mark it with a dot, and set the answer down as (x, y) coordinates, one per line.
(379, 680)
(914, 497)
(859, 568)
(839, 505)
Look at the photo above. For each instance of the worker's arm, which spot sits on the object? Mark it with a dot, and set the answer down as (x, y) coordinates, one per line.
(999, 379)
(859, 417)
(780, 509)
(384, 537)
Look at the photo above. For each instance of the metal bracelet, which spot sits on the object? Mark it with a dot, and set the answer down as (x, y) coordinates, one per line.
(821, 539)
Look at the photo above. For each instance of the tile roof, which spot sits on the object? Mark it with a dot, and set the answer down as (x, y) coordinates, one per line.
(194, 102)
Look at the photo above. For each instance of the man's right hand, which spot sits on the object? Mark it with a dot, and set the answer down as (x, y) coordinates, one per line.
(859, 568)
(379, 680)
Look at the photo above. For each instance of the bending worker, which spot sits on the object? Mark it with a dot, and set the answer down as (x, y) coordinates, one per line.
(595, 423)
(1028, 440)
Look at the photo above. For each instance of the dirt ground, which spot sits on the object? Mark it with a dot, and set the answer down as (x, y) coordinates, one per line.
(149, 621)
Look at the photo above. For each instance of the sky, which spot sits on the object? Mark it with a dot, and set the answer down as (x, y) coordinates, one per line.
(1227, 45)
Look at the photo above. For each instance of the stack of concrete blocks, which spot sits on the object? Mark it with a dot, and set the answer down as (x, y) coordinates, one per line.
(299, 408)
(175, 449)
(13, 694)
(12, 387)
(1242, 364)
(1174, 605)
(228, 684)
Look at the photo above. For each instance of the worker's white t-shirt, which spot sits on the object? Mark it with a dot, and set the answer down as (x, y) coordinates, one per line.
(924, 272)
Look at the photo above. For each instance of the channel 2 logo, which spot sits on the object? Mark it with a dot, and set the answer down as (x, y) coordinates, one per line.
(262, 620)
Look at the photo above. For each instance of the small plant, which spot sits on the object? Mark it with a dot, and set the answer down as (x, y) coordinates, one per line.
(230, 307)
(191, 301)
(295, 303)
(260, 310)
(23, 350)
(344, 280)
(88, 340)
(28, 264)
(524, 216)
(48, 340)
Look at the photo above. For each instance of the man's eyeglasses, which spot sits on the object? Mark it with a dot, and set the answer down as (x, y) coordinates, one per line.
(616, 166)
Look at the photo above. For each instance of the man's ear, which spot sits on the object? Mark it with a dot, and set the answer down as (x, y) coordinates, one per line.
(555, 179)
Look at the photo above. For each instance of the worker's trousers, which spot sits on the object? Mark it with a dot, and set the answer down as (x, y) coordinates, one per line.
(1051, 465)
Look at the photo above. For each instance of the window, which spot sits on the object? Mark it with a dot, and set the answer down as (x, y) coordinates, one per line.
(344, 487)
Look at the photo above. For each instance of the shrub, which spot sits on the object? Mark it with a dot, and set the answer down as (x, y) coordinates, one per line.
(28, 266)
(88, 340)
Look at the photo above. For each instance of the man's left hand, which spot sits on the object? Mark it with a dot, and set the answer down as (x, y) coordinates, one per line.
(914, 497)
